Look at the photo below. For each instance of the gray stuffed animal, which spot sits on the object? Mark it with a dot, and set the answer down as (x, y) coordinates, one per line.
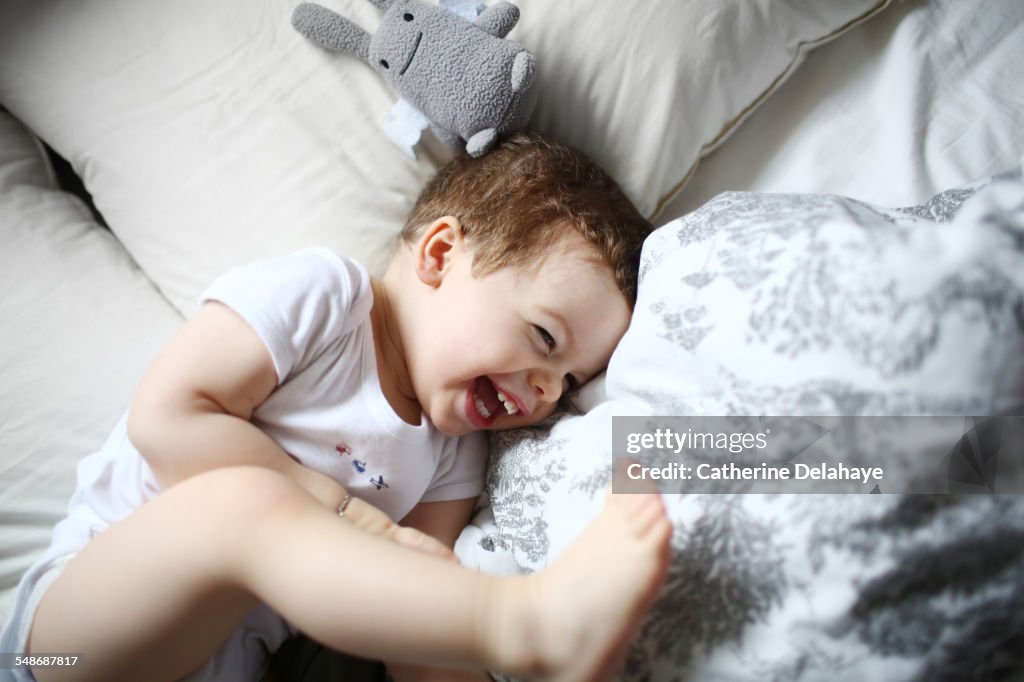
(464, 76)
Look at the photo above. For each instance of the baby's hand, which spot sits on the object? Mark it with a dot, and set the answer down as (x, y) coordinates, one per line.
(373, 520)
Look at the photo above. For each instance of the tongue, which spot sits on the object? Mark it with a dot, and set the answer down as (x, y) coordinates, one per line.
(489, 394)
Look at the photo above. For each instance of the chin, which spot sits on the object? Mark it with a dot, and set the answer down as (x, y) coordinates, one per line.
(451, 425)
(455, 432)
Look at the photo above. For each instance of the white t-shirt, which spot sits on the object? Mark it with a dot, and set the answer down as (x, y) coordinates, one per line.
(312, 310)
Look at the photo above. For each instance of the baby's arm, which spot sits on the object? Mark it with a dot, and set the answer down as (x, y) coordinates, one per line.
(191, 414)
(192, 409)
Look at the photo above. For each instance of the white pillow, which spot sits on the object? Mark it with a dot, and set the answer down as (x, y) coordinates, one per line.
(787, 305)
(807, 305)
(926, 97)
(792, 304)
(211, 133)
(79, 324)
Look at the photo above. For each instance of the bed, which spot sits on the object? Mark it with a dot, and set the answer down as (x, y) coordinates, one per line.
(209, 134)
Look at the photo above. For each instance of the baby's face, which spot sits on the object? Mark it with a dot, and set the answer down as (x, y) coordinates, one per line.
(498, 351)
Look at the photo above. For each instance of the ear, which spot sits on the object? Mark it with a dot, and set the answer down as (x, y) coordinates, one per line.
(435, 248)
(330, 30)
(498, 19)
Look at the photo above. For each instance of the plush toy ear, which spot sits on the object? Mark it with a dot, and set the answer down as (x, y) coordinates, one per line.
(330, 30)
(498, 19)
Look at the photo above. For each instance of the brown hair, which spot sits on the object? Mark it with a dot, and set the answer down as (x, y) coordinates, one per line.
(516, 201)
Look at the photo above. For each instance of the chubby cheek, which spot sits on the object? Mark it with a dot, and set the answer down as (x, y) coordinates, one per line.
(448, 419)
(479, 354)
(542, 412)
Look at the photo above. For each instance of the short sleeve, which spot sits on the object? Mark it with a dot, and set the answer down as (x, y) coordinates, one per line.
(460, 472)
(297, 304)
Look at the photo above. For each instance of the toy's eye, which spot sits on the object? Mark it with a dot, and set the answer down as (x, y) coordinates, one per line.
(384, 63)
(407, 17)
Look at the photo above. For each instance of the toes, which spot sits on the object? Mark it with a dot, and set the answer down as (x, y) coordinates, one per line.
(623, 482)
(414, 539)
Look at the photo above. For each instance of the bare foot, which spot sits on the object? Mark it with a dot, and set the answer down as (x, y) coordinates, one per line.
(588, 606)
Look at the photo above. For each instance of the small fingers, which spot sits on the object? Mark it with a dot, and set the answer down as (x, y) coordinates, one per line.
(418, 540)
(373, 520)
(368, 517)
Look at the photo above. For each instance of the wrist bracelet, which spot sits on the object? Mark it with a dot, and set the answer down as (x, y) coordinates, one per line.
(344, 505)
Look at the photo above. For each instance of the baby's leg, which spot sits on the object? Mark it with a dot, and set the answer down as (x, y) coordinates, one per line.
(153, 596)
(573, 621)
(593, 599)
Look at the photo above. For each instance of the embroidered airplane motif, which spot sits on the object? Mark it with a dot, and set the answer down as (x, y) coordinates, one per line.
(379, 482)
(360, 466)
(343, 449)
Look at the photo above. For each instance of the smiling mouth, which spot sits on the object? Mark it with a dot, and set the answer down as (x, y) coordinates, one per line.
(489, 402)
(419, 37)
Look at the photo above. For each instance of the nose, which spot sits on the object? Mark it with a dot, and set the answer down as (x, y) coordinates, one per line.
(546, 385)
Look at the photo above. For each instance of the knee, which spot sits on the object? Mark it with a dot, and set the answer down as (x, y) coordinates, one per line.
(236, 498)
(235, 516)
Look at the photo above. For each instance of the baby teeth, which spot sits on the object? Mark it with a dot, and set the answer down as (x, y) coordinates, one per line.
(510, 405)
(481, 408)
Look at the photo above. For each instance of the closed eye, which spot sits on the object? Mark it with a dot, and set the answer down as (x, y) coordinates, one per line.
(546, 337)
(572, 384)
